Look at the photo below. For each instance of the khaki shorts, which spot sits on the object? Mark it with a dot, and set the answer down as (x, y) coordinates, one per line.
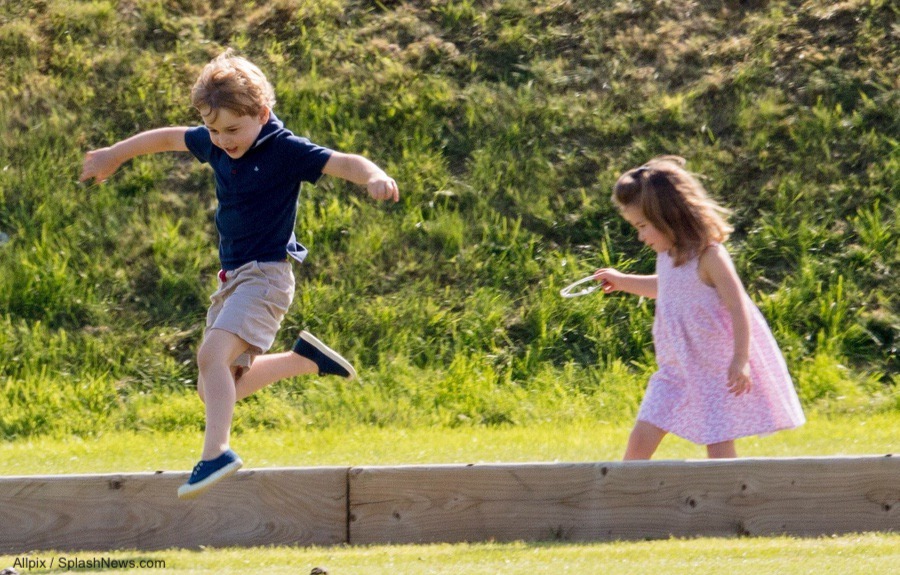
(250, 302)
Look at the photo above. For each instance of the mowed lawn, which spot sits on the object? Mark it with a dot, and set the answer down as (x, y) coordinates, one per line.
(571, 441)
(872, 553)
(862, 554)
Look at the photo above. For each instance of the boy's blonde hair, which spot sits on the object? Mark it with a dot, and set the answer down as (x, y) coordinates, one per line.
(675, 203)
(233, 83)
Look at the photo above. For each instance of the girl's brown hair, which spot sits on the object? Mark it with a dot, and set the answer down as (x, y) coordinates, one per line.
(233, 83)
(675, 203)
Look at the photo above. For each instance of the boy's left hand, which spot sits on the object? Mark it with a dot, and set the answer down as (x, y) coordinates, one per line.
(383, 187)
(739, 377)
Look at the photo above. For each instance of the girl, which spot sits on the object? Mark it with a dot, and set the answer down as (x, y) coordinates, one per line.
(721, 375)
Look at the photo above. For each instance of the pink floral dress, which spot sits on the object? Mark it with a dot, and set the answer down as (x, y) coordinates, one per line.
(688, 395)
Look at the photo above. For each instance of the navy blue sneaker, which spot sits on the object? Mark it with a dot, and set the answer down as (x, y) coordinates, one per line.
(329, 361)
(208, 473)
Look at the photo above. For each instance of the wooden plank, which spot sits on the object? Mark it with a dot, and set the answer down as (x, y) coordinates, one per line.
(451, 503)
(142, 511)
(633, 500)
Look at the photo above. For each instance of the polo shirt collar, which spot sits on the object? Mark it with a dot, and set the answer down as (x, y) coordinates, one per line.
(269, 130)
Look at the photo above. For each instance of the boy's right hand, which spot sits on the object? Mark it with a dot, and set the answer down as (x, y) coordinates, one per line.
(99, 165)
(610, 278)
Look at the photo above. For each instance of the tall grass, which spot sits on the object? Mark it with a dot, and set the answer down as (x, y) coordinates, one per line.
(505, 125)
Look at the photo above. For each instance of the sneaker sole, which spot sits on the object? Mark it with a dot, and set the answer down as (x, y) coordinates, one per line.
(332, 355)
(189, 491)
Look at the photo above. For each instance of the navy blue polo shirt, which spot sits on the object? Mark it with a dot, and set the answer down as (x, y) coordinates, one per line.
(258, 192)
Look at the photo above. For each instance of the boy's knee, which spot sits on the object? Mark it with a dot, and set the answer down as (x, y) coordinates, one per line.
(203, 359)
(207, 358)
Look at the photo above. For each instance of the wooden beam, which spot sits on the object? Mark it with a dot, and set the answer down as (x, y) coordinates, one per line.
(633, 500)
(453, 503)
(142, 511)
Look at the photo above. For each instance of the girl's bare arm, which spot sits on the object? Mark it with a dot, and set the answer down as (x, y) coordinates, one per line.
(717, 270)
(614, 280)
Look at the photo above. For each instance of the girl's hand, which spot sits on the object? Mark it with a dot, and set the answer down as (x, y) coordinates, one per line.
(99, 165)
(610, 278)
(739, 377)
(382, 187)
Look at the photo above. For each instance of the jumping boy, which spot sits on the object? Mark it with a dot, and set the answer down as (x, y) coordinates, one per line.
(259, 166)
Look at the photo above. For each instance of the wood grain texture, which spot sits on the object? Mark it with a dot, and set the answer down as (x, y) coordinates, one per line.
(634, 500)
(142, 511)
(453, 503)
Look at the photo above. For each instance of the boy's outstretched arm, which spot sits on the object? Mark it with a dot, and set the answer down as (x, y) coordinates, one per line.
(102, 163)
(364, 172)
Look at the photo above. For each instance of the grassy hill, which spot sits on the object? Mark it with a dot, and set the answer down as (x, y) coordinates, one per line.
(505, 125)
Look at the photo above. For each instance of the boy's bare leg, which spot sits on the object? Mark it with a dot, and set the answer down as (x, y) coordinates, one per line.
(269, 368)
(643, 441)
(216, 386)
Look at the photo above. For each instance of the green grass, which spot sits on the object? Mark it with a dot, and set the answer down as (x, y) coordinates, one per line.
(304, 447)
(505, 124)
(864, 554)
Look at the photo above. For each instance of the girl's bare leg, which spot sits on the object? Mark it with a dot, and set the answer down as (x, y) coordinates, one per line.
(723, 450)
(643, 441)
